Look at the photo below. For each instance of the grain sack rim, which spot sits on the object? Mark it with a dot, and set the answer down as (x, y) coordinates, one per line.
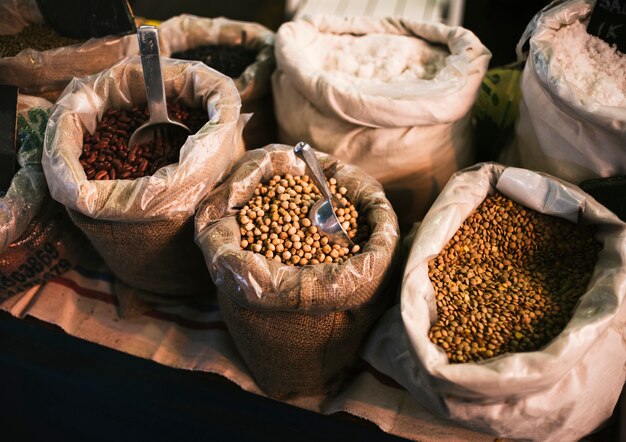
(464, 70)
(540, 36)
(215, 227)
(27, 61)
(84, 101)
(510, 375)
(178, 33)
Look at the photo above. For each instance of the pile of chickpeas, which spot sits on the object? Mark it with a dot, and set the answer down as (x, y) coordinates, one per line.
(275, 223)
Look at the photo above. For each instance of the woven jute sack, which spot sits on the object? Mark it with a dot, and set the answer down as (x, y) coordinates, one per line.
(409, 134)
(187, 31)
(48, 72)
(143, 227)
(298, 328)
(37, 241)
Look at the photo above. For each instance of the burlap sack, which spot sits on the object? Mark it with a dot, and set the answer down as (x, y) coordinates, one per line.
(48, 72)
(411, 135)
(37, 241)
(142, 227)
(297, 328)
(560, 392)
(563, 130)
(186, 31)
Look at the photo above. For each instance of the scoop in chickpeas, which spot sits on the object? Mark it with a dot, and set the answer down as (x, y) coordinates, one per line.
(275, 224)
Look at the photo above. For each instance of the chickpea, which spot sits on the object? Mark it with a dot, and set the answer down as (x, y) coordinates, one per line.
(275, 223)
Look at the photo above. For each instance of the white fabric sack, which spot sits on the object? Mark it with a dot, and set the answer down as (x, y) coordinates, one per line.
(561, 392)
(187, 31)
(174, 189)
(409, 134)
(38, 72)
(561, 129)
(27, 191)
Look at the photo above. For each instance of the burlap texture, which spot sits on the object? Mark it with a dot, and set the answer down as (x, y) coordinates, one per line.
(291, 353)
(297, 328)
(143, 228)
(186, 31)
(157, 256)
(48, 72)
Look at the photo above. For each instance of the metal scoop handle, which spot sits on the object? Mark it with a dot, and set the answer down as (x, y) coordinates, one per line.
(306, 154)
(148, 39)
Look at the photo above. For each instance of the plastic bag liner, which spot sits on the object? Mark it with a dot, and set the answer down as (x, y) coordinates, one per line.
(409, 135)
(561, 130)
(48, 72)
(37, 242)
(561, 392)
(186, 31)
(297, 328)
(143, 228)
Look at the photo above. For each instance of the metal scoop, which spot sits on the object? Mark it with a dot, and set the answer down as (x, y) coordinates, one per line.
(322, 213)
(159, 123)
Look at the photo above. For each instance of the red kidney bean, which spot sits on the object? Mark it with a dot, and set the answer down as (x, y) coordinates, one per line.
(106, 154)
(101, 175)
(143, 165)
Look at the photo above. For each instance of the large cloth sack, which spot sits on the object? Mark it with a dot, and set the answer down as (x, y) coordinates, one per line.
(297, 328)
(37, 241)
(48, 72)
(409, 135)
(143, 227)
(186, 31)
(561, 129)
(559, 393)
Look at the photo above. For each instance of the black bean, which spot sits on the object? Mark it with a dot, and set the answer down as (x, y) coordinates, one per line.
(229, 60)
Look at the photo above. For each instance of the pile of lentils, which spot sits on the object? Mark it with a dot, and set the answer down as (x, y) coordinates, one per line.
(106, 154)
(38, 36)
(230, 60)
(275, 223)
(508, 280)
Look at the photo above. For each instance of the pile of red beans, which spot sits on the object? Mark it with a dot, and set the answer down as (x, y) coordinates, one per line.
(106, 154)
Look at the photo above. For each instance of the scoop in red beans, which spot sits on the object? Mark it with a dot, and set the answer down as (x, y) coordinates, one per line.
(106, 154)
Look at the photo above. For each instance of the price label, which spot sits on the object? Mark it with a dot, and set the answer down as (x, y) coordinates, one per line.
(8, 131)
(608, 22)
(81, 19)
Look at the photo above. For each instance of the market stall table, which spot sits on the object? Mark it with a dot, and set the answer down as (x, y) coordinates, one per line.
(60, 384)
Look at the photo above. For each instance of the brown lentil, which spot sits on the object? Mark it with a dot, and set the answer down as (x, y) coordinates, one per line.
(106, 154)
(280, 208)
(37, 36)
(508, 280)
